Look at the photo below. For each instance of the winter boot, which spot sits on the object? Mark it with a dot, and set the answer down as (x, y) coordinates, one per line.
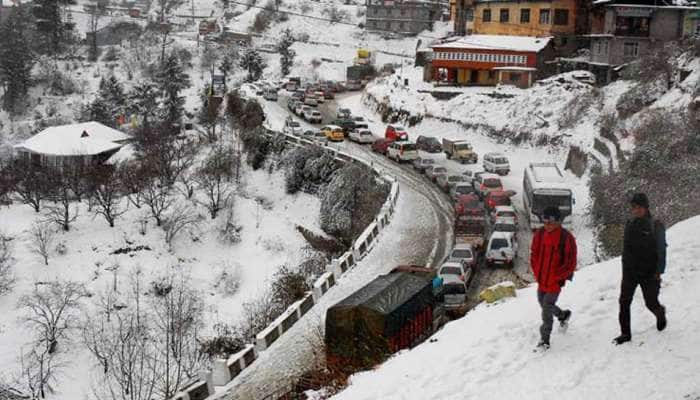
(661, 319)
(622, 339)
(566, 316)
(542, 346)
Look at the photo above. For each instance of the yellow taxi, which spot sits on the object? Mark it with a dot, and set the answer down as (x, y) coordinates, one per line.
(333, 133)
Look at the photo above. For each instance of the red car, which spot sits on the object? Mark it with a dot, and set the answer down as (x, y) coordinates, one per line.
(498, 198)
(380, 145)
(395, 132)
(468, 204)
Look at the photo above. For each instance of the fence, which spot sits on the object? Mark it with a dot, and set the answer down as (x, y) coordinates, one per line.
(225, 370)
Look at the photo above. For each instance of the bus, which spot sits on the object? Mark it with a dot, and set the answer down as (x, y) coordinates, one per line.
(543, 186)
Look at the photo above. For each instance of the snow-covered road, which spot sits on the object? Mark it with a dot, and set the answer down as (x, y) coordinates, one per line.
(420, 232)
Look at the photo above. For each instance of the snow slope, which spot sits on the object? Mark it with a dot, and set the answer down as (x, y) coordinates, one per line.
(488, 352)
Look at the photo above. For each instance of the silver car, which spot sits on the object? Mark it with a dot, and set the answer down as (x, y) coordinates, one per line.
(421, 164)
(434, 172)
(446, 182)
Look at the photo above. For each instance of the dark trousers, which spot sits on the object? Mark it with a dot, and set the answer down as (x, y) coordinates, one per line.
(548, 303)
(650, 289)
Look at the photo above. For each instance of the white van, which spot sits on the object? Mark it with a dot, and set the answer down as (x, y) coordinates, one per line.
(402, 151)
(454, 291)
(502, 249)
(496, 163)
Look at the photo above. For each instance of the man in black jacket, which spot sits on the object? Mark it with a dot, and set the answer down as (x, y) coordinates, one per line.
(643, 262)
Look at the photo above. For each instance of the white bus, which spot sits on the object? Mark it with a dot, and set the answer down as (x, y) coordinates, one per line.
(543, 186)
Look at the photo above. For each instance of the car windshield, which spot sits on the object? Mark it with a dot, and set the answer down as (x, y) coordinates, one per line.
(450, 271)
(492, 182)
(499, 244)
(428, 161)
(454, 288)
(439, 170)
(409, 147)
(399, 129)
(365, 133)
(294, 124)
(463, 146)
(500, 160)
(315, 113)
(455, 178)
(464, 189)
(469, 202)
(504, 228)
(462, 253)
(506, 214)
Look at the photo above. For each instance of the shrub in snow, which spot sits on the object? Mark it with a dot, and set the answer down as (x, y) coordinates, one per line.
(273, 244)
(307, 169)
(229, 231)
(288, 286)
(178, 220)
(228, 280)
(227, 340)
(61, 248)
(7, 278)
(42, 237)
(350, 202)
(112, 54)
(638, 97)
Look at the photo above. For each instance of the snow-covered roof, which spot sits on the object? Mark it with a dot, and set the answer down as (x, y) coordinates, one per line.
(497, 42)
(126, 153)
(87, 138)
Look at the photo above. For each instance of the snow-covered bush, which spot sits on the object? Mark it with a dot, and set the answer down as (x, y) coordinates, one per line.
(229, 231)
(638, 97)
(228, 280)
(307, 169)
(288, 286)
(350, 202)
(273, 244)
(112, 54)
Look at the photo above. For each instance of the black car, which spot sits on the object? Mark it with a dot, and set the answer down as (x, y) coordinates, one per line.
(348, 125)
(428, 144)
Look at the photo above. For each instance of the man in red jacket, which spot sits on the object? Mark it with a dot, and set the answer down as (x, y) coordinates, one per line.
(553, 261)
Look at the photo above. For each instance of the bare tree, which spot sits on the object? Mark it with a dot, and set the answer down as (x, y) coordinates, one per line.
(39, 370)
(156, 195)
(214, 179)
(31, 184)
(178, 220)
(59, 212)
(106, 193)
(42, 240)
(51, 310)
(133, 179)
(177, 316)
(7, 278)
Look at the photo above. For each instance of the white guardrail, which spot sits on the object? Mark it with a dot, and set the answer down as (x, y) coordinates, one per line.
(225, 370)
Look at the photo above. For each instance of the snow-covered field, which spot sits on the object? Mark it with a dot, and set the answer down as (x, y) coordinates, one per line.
(489, 352)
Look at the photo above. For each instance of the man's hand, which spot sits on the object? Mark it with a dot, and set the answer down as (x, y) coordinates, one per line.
(658, 277)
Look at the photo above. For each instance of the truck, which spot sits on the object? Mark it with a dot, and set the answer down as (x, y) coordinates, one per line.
(470, 229)
(459, 150)
(393, 312)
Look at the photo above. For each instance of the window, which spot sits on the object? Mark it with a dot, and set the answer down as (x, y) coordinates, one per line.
(469, 14)
(388, 25)
(561, 17)
(486, 16)
(631, 49)
(525, 16)
(505, 15)
(632, 26)
(515, 77)
(401, 25)
(544, 17)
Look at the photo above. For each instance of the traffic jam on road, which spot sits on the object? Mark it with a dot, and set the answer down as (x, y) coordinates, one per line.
(486, 222)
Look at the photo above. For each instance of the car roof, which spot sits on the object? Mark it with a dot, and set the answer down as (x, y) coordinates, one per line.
(489, 175)
(505, 208)
(463, 246)
(494, 154)
(331, 127)
(464, 184)
(501, 235)
(451, 264)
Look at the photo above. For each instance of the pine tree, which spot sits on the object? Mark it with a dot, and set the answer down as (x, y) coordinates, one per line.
(284, 47)
(142, 100)
(51, 25)
(172, 80)
(99, 111)
(254, 64)
(16, 61)
(109, 103)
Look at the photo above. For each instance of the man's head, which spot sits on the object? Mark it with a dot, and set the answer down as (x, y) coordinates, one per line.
(639, 205)
(551, 218)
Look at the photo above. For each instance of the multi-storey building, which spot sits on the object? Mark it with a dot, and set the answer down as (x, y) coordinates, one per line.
(404, 16)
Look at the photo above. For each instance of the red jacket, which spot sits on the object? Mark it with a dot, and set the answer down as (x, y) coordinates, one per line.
(545, 259)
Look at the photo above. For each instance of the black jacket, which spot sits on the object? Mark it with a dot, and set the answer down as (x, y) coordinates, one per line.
(644, 251)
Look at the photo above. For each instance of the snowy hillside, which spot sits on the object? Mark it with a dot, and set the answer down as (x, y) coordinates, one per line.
(489, 352)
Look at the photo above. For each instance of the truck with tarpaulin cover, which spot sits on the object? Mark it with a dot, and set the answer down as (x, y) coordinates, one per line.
(393, 312)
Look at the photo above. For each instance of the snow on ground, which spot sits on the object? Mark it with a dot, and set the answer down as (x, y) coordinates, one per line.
(268, 241)
(489, 350)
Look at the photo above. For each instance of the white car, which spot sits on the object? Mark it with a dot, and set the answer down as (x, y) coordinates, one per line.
(496, 163)
(343, 113)
(502, 249)
(310, 100)
(363, 136)
(313, 116)
(292, 127)
(433, 173)
(454, 292)
(402, 151)
(319, 97)
(453, 269)
(464, 254)
(505, 214)
(298, 108)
